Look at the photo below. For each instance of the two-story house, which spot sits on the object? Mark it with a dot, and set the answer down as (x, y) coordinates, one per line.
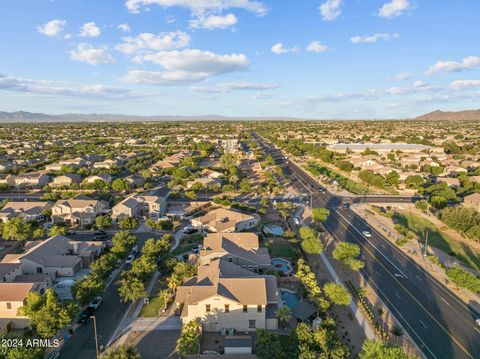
(28, 211)
(138, 205)
(81, 211)
(225, 220)
(226, 296)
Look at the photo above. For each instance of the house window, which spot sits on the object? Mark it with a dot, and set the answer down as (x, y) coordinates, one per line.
(39, 270)
(9, 305)
(259, 308)
(207, 307)
(245, 309)
(251, 324)
(227, 308)
(230, 259)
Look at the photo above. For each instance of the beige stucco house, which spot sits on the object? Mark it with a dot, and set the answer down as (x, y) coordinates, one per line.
(31, 180)
(241, 249)
(139, 205)
(66, 180)
(226, 220)
(225, 296)
(98, 177)
(472, 201)
(28, 211)
(82, 211)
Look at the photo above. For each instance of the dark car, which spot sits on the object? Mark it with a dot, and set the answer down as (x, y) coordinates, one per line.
(346, 205)
(100, 236)
(85, 315)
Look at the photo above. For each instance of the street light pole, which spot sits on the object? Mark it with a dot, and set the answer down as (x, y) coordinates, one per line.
(95, 332)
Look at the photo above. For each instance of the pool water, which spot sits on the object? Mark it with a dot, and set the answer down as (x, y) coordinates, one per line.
(281, 265)
(291, 300)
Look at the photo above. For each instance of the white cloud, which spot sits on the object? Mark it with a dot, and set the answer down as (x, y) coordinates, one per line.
(263, 96)
(214, 22)
(231, 86)
(467, 63)
(124, 27)
(420, 84)
(197, 7)
(330, 9)
(147, 42)
(58, 88)
(189, 65)
(91, 55)
(89, 29)
(279, 49)
(394, 8)
(464, 84)
(316, 46)
(373, 38)
(52, 28)
(402, 76)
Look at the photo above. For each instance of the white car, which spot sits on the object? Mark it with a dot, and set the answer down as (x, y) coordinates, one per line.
(367, 234)
(130, 259)
(477, 322)
(95, 303)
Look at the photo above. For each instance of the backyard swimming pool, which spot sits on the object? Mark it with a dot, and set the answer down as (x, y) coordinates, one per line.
(290, 299)
(281, 265)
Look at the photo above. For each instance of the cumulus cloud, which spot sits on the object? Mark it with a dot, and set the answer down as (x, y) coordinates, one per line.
(394, 8)
(467, 63)
(52, 28)
(197, 7)
(279, 49)
(330, 9)
(188, 65)
(316, 46)
(464, 84)
(89, 29)
(214, 22)
(402, 76)
(148, 42)
(124, 27)
(231, 86)
(373, 38)
(91, 55)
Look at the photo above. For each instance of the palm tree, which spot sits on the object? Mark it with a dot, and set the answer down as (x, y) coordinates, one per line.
(284, 314)
(164, 296)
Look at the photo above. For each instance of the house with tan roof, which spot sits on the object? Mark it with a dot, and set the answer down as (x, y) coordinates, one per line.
(66, 180)
(57, 256)
(12, 296)
(31, 180)
(98, 177)
(81, 211)
(7, 179)
(139, 205)
(204, 181)
(472, 201)
(225, 220)
(241, 249)
(226, 296)
(28, 211)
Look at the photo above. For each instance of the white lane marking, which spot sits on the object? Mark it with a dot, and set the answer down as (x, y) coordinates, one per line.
(420, 279)
(398, 275)
(383, 245)
(444, 300)
(398, 295)
(348, 229)
(378, 273)
(422, 323)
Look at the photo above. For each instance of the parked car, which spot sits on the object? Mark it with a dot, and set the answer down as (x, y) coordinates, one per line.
(346, 205)
(189, 230)
(197, 248)
(95, 303)
(129, 259)
(85, 315)
(367, 234)
(477, 322)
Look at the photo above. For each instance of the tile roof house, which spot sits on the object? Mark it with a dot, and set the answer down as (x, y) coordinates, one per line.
(57, 256)
(12, 296)
(226, 296)
(66, 180)
(138, 205)
(101, 176)
(241, 249)
(472, 201)
(226, 220)
(7, 179)
(78, 211)
(206, 182)
(31, 180)
(26, 210)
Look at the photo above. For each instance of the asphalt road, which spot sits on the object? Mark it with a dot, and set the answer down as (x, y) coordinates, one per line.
(81, 345)
(436, 319)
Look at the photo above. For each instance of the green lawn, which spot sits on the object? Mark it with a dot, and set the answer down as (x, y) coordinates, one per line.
(439, 239)
(279, 249)
(152, 308)
(183, 249)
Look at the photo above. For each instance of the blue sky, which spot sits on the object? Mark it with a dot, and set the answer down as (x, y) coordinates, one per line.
(300, 58)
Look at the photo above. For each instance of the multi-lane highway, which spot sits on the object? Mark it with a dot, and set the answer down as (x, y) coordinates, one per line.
(436, 319)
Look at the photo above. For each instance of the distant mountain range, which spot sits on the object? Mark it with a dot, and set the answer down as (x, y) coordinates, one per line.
(468, 115)
(22, 116)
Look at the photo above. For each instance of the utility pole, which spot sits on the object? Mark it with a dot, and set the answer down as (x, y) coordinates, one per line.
(95, 332)
(426, 242)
